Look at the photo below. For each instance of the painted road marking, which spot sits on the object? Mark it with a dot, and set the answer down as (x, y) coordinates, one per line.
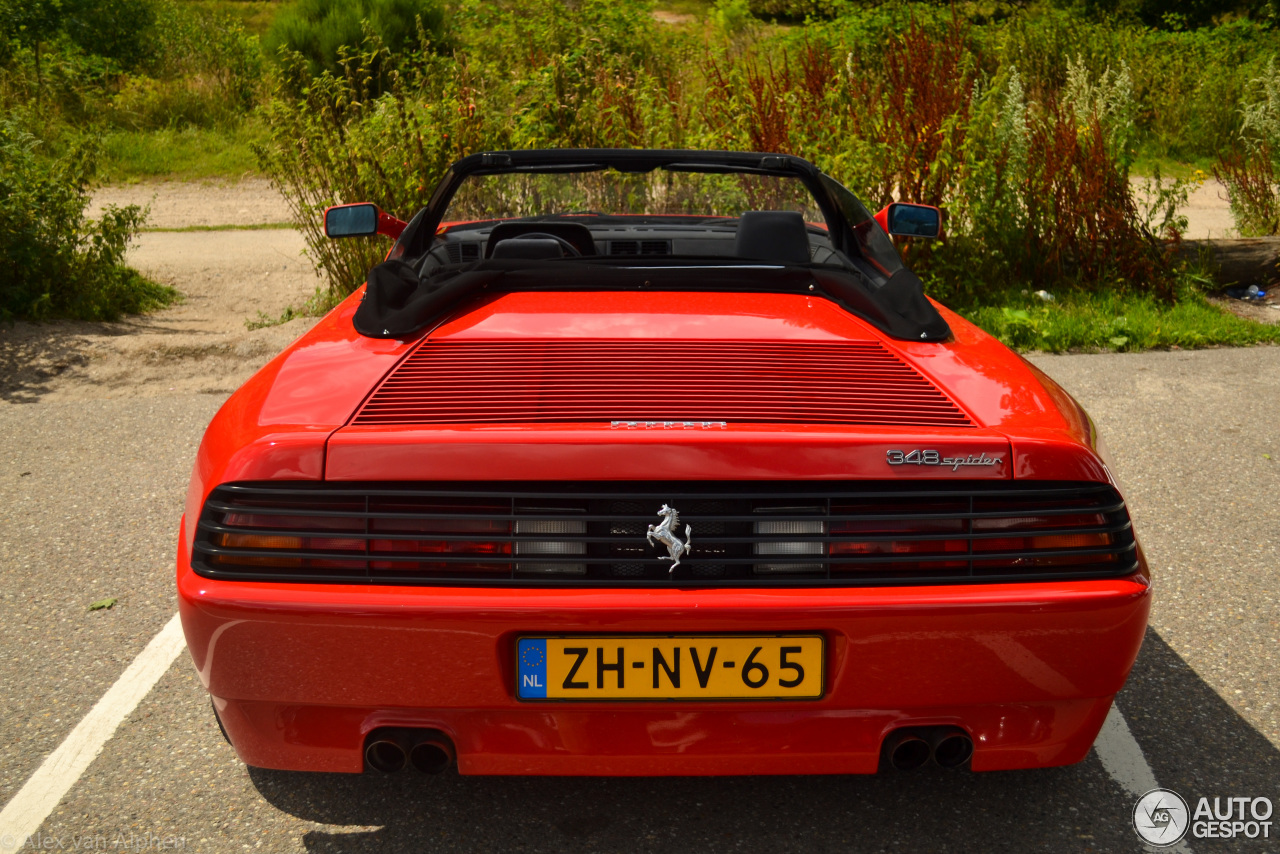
(1122, 758)
(23, 815)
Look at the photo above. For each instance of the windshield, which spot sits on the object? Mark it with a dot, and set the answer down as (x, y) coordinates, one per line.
(643, 219)
(698, 210)
(610, 193)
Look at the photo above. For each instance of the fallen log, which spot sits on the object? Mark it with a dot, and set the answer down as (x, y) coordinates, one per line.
(1240, 261)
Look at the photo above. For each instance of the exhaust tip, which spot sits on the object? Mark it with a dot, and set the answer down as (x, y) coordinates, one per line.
(431, 756)
(909, 748)
(907, 751)
(385, 755)
(953, 749)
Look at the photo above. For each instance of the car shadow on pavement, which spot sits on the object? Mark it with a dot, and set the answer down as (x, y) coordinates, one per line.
(1196, 744)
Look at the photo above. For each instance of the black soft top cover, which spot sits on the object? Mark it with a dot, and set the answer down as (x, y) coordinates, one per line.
(399, 302)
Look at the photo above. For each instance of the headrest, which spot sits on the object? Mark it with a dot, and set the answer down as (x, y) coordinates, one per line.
(778, 236)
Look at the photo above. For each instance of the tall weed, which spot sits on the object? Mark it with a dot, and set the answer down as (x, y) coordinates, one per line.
(1251, 169)
(1036, 187)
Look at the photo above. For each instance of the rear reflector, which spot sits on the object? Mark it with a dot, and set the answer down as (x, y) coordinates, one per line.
(528, 527)
(786, 548)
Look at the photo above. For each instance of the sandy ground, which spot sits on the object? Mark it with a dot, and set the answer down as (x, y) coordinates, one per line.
(201, 344)
(1208, 213)
(252, 201)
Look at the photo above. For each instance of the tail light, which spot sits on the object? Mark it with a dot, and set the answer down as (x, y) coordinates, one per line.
(852, 533)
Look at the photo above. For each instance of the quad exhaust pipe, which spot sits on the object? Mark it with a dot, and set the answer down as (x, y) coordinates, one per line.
(391, 749)
(432, 755)
(906, 750)
(386, 755)
(951, 747)
(909, 748)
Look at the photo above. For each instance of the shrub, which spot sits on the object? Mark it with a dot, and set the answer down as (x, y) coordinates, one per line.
(539, 75)
(323, 30)
(339, 142)
(1251, 169)
(1036, 188)
(796, 10)
(55, 261)
(119, 30)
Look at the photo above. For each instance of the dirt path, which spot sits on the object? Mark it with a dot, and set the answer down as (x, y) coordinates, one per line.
(1208, 213)
(175, 204)
(201, 344)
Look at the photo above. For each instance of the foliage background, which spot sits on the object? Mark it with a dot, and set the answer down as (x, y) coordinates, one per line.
(1030, 123)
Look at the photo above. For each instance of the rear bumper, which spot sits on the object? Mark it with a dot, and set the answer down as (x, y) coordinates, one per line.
(301, 673)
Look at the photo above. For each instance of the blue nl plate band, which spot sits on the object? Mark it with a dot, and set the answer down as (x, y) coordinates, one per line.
(532, 668)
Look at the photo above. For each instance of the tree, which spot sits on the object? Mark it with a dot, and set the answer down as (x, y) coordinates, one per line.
(321, 29)
(31, 23)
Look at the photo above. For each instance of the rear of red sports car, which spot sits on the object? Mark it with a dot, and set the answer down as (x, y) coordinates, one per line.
(654, 491)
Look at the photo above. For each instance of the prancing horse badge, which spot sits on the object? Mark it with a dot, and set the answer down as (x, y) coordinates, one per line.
(664, 532)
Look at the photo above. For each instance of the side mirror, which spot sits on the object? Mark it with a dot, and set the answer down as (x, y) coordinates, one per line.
(902, 219)
(360, 220)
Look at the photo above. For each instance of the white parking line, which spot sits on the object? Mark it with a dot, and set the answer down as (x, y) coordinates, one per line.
(1122, 758)
(23, 815)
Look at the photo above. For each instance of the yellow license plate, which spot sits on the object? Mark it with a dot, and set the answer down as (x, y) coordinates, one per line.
(670, 667)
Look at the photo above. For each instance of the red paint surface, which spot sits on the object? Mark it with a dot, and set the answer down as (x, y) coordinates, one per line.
(302, 672)
(568, 381)
(1027, 667)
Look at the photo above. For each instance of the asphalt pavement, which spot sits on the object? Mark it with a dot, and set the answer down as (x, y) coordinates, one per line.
(91, 491)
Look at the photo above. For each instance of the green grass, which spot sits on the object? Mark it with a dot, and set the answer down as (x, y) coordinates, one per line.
(189, 153)
(1145, 165)
(1114, 322)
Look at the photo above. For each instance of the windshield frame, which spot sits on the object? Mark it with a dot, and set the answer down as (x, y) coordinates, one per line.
(561, 160)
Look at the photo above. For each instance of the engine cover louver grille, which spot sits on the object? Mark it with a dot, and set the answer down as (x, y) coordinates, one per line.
(594, 534)
(840, 382)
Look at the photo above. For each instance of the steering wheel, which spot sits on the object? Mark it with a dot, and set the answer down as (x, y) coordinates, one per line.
(569, 250)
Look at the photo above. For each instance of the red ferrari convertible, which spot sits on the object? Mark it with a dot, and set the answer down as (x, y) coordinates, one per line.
(654, 462)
